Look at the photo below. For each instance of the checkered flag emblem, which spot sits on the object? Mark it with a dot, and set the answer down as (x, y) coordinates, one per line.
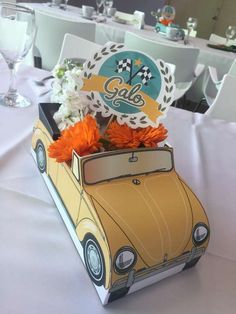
(145, 74)
(124, 65)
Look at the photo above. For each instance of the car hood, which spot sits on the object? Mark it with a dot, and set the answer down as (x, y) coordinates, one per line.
(155, 215)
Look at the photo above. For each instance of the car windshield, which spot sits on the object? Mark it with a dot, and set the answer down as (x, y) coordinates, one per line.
(125, 164)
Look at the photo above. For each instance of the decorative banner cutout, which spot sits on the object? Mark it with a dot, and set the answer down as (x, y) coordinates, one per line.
(128, 84)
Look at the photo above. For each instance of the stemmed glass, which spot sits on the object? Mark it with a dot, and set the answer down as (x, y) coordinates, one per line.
(191, 25)
(229, 33)
(107, 4)
(65, 4)
(17, 33)
(99, 4)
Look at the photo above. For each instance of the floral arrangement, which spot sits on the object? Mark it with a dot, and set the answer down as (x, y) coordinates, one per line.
(80, 130)
(65, 90)
(85, 138)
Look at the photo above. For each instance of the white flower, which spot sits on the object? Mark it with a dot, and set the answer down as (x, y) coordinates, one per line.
(59, 71)
(72, 81)
(57, 91)
(66, 91)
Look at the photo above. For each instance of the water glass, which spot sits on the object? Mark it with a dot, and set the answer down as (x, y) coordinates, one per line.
(107, 4)
(191, 25)
(230, 33)
(17, 29)
(99, 4)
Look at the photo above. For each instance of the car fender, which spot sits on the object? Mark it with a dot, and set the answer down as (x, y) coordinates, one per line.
(198, 212)
(87, 226)
(38, 135)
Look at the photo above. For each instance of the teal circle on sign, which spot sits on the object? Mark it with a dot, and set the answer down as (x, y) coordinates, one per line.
(134, 68)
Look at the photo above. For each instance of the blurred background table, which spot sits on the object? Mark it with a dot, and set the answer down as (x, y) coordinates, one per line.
(111, 31)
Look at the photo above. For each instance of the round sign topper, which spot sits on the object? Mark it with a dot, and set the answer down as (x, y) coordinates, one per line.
(129, 85)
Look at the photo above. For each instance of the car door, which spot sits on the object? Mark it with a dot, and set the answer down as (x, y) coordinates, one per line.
(68, 186)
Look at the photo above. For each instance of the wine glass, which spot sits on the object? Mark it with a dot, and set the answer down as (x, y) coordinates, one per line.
(17, 29)
(65, 4)
(107, 4)
(191, 25)
(229, 33)
(99, 4)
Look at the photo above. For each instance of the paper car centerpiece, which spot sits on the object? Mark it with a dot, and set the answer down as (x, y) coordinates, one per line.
(132, 218)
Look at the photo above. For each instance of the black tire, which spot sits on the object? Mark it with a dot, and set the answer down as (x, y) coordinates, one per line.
(41, 156)
(94, 260)
(118, 294)
(192, 263)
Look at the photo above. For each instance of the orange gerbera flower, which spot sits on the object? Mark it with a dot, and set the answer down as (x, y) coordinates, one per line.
(83, 137)
(122, 136)
(149, 137)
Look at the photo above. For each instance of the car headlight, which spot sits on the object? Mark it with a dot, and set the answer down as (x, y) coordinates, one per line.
(124, 260)
(200, 233)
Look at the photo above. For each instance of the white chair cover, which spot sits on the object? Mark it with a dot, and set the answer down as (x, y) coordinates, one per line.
(51, 31)
(224, 105)
(184, 59)
(213, 83)
(76, 47)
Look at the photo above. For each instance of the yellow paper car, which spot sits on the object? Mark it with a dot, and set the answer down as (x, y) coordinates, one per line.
(135, 218)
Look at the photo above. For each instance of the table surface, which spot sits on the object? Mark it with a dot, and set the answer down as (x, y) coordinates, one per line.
(40, 269)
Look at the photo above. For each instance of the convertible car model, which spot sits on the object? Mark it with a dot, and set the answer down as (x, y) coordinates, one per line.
(135, 218)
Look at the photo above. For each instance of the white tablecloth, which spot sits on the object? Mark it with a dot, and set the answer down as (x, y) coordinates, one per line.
(40, 269)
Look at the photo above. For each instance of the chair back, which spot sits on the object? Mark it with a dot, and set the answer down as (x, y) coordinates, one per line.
(184, 58)
(77, 47)
(224, 105)
(50, 35)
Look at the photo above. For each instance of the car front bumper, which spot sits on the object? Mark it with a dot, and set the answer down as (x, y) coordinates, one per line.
(134, 277)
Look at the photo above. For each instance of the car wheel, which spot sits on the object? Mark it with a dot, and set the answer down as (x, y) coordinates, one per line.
(41, 157)
(192, 263)
(94, 260)
(118, 294)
